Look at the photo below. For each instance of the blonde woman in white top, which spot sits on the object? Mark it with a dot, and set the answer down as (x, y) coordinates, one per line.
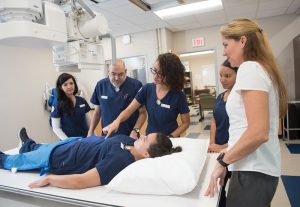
(254, 105)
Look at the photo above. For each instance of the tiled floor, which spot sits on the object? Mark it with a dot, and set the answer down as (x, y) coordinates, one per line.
(289, 166)
(290, 162)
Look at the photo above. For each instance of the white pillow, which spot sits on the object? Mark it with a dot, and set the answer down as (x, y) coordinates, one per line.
(174, 174)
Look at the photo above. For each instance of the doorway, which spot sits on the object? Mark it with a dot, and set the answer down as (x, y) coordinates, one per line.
(200, 74)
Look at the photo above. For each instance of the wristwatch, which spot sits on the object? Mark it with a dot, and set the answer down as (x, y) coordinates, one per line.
(137, 131)
(220, 160)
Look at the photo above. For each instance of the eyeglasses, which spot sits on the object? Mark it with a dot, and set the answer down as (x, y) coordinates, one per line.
(154, 71)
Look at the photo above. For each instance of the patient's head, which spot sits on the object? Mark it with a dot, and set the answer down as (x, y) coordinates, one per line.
(155, 145)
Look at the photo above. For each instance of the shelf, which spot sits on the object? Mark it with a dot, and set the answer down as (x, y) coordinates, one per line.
(286, 128)
(188, 89)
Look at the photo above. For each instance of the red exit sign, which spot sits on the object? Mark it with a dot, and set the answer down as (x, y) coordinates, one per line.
(198, 42)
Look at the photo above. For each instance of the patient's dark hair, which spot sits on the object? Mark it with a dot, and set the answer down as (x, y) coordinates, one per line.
(227, 64)
(163, 146)
(65, 104)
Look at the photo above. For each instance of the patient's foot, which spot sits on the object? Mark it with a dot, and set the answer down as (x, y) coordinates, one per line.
(1, 155)
(23, 135)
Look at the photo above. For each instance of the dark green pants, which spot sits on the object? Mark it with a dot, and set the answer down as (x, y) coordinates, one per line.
(251, 189)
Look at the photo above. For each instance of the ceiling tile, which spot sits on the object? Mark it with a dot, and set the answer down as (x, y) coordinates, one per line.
(110, 4)
(238, 3)
(210, 15)
(154, 26)
(127, 10)
(294, 6)
(250, 15)
(271, 12)
(144, 18)
(181, 20)
(274, 4)
(213, 22)
(183, 27)
(124, 17)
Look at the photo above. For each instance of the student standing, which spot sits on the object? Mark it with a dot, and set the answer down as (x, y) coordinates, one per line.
(70, 113)
(111, 96)
(219, 134)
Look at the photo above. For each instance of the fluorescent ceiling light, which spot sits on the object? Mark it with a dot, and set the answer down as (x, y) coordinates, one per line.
(189, 9)
(196, 53)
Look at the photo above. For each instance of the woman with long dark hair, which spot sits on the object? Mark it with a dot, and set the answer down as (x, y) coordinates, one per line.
(70, 113)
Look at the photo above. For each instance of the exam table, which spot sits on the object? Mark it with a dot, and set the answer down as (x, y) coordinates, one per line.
(14, 192)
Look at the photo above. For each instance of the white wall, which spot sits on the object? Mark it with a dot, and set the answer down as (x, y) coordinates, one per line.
(281, 31)
(167, 40)
(23, 75)
(142, 44)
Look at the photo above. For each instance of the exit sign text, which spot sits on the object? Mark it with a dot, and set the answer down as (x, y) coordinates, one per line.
(198, 42)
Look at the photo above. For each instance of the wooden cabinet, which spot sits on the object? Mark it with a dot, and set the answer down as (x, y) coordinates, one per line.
(188, 87)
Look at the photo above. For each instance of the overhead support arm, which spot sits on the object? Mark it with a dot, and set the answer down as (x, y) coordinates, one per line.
(113, 46)
(86, 8)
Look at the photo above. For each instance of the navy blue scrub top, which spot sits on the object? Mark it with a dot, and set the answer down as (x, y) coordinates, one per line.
(74, 124)
(222, 120)
(106, 155)
(112, 103)
(162, 115)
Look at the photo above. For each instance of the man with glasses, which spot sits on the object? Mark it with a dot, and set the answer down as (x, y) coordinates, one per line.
(111, 96)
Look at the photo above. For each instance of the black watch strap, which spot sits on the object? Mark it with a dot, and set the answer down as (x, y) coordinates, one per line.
(220, 160)
(137, 130)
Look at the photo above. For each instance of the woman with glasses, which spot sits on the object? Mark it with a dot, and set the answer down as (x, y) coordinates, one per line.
(70, 113)
(163, 99)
